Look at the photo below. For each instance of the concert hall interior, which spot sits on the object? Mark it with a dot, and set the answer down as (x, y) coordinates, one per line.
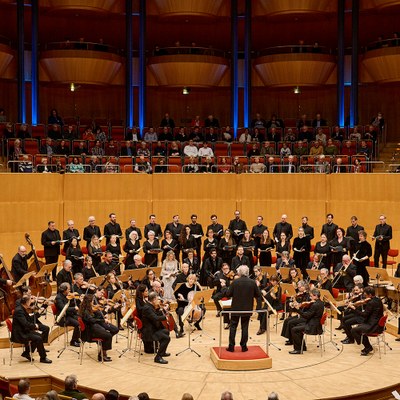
(328, 70)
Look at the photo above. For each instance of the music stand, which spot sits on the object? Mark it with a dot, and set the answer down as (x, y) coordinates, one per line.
(288, 289)
(25, 279)
(396, 283)
(205, 298)
(313, 274)
(96, 280)
(58, 319)
(189, 308)
(379, 274)
(327, 296)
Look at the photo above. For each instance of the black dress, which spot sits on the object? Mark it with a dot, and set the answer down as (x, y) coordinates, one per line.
(75, 255)
(265, 257)
(227, 251)
(249, 248)
(131, 249)
(302, 258)
(96, 254)
(150, 259)
(172, 245)
(208, 245)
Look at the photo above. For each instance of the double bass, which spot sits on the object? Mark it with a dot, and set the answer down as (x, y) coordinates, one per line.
(41, 286)
(10, 294)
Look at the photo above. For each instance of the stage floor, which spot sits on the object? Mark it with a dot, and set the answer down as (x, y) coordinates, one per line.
(294, 377)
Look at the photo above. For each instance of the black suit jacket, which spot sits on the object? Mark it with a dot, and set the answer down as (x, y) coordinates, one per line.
(242, 290)
(22, 325)
(19, 266)
(112, 229)
(373, 311)
(156, 228)
(174, 229)
(151, 319)
(236, 262)
(130, 229)
(285, 228)
(48, 236)
(313, 316)
(89, 231)
(61, 301)
(69, 234)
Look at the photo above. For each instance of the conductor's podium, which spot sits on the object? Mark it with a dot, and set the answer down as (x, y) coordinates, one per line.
(254, 359)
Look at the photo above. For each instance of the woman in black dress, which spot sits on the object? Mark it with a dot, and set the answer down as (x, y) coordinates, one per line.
(95, 251)
(362, 258)
(282, 245)
(323, 249)
(301, 248)
(186, 241)
(131, 248)
(169, 243)
(339, 246)
(88, 270)
(115, 249)
(209, 243)
(227, 247)
(264, 249)
(75, 255)
(248, 244)
(151, 248)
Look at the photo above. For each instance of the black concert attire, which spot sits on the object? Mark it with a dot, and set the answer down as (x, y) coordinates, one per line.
(112, 229)
(116, 252)
(186, 244)
(257, 231)
(88, 273)
(219, 291)
(227, 250)
(150, 259)
(90, 231)
(283, 227)
(239, 226)
(208, 245)
(364, 250)
(51, 251)
(352, 233)
(153, 329)
(209, 268)
(68, 235)
(131, 229)
(313, 265)
(184, 290)
(312, 326)
(325, 251)
(249, 251)
(218, 230)
(382, 246)
(97, 327)
(19, 265)
(75, 255)
(196, 229)
(308, 231)
(96, 254)
(302, 248)
(265, 257)
(24, 330)
(111, 290)
(243, 291)
(194, 264)
(329, 230)
(273, 296)
(71, 316)
(262, 283)
(180, 278)
(175, 229)
(105, 267)
(342, 248)
(131, 249)
(369, 319)
(237, 261)
(64, 276)
(281, 248)
(346, 280)
(280, 263)
(168, 246)
(156, 228)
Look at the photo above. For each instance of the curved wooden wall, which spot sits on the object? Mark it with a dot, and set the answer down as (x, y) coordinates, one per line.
(28, 202)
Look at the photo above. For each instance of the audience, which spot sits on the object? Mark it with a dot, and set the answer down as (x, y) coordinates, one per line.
(24, 387)
(71, 388)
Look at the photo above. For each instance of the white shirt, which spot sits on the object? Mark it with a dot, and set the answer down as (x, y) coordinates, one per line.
(206, 152)
(22, 397)
(190, 151)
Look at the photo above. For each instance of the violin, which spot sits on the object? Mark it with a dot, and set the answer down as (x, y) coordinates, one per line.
(169, 323)
(304, 304)
(73, 296)
(230, 275)
(360, 302)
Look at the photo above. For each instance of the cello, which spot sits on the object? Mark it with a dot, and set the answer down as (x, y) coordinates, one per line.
(10, 294)
(41, 286)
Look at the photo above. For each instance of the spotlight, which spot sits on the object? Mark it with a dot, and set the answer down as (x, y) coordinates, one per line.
(297, 90)
(186, 90)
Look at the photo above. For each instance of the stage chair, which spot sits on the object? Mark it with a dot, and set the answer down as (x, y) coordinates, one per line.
(9, 329)
(392, 253)
(320, 336)
(380, 336)
(280, 312)
(83, 339)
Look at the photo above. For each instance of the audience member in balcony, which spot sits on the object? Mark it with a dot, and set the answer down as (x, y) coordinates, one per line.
(174, 150)
(300, 48)
(378, 121)
(348, 149)
(100, 46)
(143, 165)
(59, 167)
(320, 136)
(303, 121)
(289, 166)
(132, 134)
(275, 122)
(8, 132)
(23, 132)
(245, 136)
(181, 135)
(196, 135)
(258, 122)
(224, 166)
(150, 135)
(316, 49)
(321, 165)
(256, 166)
(318, 121)
(127, 149)
(76, 166)
(205, 151)
(207, 165)
(166, 134)
(81, 150)
(194, 49)
(305, 134)
(63, 148)
(69, 133)
(54, 132)
(95, 164)
(331, 149)
(143, 150)
(100, 134)
(159, 52)
(190, 150)
(337, 134)
(81, 45)
(111, 149)
(357, 166)
(3, 116)
(267, 149)
(254, 151)
(300, 149)
(317, 149)
(211, 121)
(305, 168)
(212, 135)
(355, 135)
(25, 165)
(271, 165)
(192, 165)
(257, 135)
(339, 167)
(371, 133)
(364, 149)
(395, 40)
(54, 118)
(88, 134)
(273, 135)
(227, 134)
(48, 148)
(196, 121)
(43, 167)
(161, 168)
(111, 167)
(289, 136)
(159, 150)
(97, 149)
(285, 150)
(167, 121)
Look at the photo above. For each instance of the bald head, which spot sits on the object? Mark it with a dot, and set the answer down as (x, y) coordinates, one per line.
(98, 396)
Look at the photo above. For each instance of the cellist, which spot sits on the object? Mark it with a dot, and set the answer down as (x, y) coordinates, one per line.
(19, 264)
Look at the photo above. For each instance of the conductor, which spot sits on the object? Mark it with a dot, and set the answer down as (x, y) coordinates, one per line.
(242, 290)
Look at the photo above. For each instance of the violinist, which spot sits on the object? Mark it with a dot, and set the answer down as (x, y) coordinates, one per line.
(95, 251)
(75, 255)
(272, 293)
(106, 265)
(301, 248)
(91, 230)
(149, 279)
(141, 299)
(239, 259)
(97, 325)
(114, 248)
(65, 274)
(19, 263)
(51, 241)
(187, 242)
(69, 234)
(347, 271)
(149, 247)
(131, 247)
(355, 295)
(71, 316)
(193, 262)
(294, 320)
(81, 287)
(222, 278)
(323, 281)
(88, 270)
(312, 315)
(112, 288)
(210, 266)
(227, 247)
(370, 314)
(264, 248)
(293, 277)
(169, 244)
(248, 244)
(183, 298)
(210, 243)
(364, 253)
(316, 263)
